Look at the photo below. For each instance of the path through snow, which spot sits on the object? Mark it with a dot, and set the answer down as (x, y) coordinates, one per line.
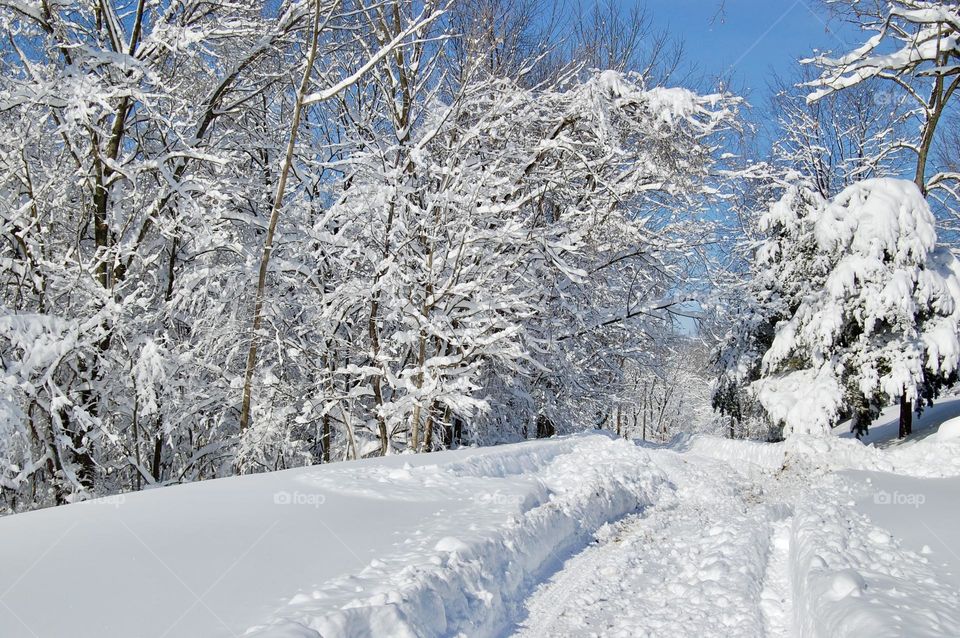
(585, 535)
(776, 598)
(695, 563)
(773, 547)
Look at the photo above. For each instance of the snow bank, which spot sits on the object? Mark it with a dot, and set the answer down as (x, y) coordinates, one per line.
(851, 578)
(932, 457)
(932, 452)
(814, 452)
(928, 458)
(949, 430)
(768, 456)
(406, 545)
(472, 578)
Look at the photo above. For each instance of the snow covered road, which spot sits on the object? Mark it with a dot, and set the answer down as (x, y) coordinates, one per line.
(768, 541)
(585, 535)
(693, 564)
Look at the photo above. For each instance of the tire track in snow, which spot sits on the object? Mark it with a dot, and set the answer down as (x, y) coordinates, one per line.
(555, 598)
(695, 564)
(775, 599)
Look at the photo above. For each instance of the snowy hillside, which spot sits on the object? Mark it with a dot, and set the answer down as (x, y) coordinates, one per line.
(579, 535)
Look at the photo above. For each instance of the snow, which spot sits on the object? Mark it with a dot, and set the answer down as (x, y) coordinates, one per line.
(878, 217)
(920, 512)
(807, 401)
(576, 535)
(915, 30)
(846, 582)
(949, 430)
(884, 431)
(691, 566)
(471, 582)
(394, 542)
(793, 557)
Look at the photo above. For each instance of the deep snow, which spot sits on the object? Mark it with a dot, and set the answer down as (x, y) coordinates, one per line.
(582, 535)
(328, 547)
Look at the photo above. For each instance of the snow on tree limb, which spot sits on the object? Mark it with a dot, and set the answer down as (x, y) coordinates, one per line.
(928, 37)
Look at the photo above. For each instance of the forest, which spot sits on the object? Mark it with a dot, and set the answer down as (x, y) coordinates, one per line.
(247, 236)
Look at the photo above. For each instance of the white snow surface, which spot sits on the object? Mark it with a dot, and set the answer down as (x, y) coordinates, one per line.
(584, 535)
(413, 545)
(949, 430)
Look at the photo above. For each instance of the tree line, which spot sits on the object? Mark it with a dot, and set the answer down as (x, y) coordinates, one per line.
(244, 237)
(247, 237)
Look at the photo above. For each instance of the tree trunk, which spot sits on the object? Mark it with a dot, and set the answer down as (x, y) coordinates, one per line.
(373, 332)
(325, 438)
(136, 442)
(274, 218)
(418, 381)
(428, 427)
(545, 427)
(157, 468)
(935, 108)
(457, 430)
(643, 411)
(906, 417)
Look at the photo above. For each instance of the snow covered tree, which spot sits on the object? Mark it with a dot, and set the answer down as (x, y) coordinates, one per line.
(782, 273)
(514, 236)
(873, 311)
(915, 47)
(672, 397)
(119, 182)
(835, 141)
(221, 258)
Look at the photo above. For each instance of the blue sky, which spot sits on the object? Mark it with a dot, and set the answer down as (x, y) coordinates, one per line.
(748, 43)
(751, 38)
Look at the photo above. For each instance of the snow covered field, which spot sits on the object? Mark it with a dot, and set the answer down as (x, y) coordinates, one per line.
(576, 536)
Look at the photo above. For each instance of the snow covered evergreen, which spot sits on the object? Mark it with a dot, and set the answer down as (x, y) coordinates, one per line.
(863, 306)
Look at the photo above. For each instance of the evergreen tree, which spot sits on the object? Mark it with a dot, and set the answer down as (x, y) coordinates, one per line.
(780, 277)
(870, 305)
